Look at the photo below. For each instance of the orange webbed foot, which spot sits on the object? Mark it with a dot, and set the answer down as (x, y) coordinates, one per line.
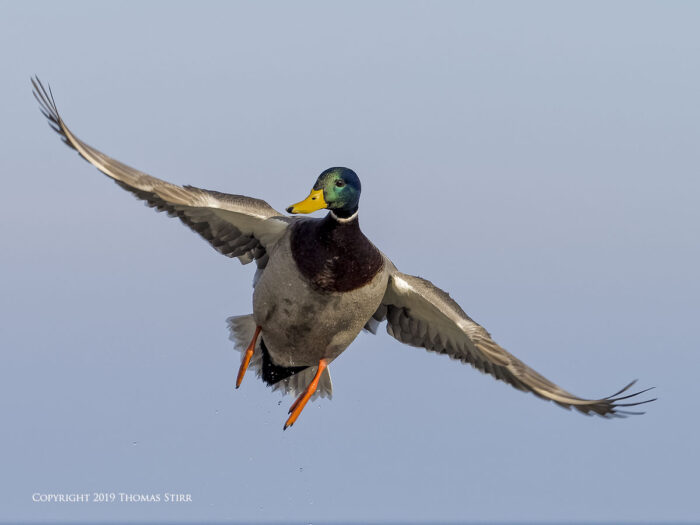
(301, 401)
(247, 356)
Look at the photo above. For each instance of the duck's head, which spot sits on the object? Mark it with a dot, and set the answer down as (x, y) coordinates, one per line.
(337, 189)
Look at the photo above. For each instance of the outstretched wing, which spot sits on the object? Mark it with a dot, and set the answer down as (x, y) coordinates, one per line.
(420, 314)
(234, 225)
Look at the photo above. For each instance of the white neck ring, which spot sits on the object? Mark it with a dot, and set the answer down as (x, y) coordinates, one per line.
(349, 219)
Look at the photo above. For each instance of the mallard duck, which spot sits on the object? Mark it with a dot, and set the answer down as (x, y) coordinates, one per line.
(320, 281)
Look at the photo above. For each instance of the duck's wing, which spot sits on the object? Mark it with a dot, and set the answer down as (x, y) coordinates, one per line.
(234, 225)
(420, 314)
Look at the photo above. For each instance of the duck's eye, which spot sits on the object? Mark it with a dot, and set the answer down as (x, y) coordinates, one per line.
(339, 183)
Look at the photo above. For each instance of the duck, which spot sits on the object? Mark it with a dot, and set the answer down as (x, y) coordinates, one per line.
(319, 282)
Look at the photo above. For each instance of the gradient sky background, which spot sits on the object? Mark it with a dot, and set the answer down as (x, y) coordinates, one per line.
(538, 160)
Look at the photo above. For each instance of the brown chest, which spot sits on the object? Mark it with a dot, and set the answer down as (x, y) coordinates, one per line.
(334, 256)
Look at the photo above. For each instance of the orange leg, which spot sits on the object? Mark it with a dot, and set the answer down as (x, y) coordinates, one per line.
(296, 402)
(246, 357)
(301, 401)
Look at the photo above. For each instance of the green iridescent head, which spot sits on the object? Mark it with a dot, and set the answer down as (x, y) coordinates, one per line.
(337, 189)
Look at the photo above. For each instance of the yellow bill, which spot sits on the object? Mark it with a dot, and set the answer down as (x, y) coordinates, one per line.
(313, 202)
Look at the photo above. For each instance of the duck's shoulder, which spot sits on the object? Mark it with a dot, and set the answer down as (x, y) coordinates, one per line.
(334, 256)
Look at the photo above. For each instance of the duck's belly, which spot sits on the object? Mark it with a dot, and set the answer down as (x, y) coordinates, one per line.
(302, 325)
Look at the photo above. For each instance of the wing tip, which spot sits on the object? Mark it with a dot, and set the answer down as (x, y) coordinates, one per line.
(609, 407)
(47, 106)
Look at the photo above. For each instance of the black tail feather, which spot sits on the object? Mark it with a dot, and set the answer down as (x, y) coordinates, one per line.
(271, 373)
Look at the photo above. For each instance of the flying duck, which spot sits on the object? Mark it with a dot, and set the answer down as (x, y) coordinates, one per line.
(319, 282)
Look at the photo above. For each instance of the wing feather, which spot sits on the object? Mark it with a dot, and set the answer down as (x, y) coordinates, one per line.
(420, 314)
(235, 225)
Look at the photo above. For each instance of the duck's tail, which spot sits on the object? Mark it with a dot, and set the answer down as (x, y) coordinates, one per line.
(287, 380)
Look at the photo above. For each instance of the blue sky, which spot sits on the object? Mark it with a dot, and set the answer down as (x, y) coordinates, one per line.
(538, 160)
